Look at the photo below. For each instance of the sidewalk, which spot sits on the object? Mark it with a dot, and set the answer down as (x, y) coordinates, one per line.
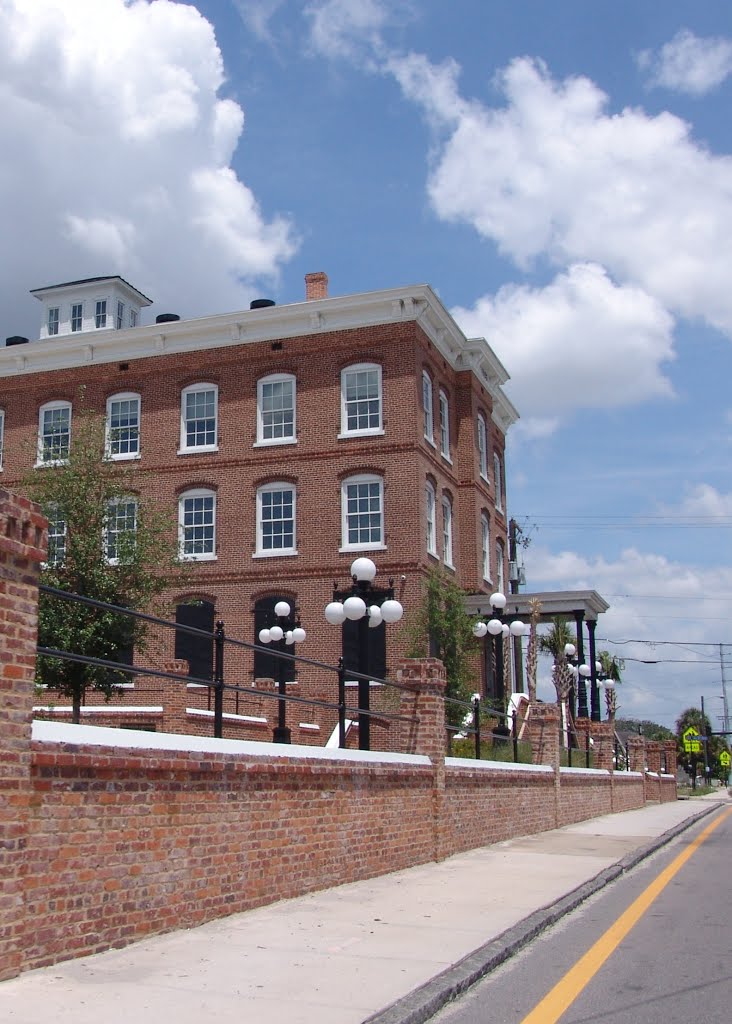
(394, 948)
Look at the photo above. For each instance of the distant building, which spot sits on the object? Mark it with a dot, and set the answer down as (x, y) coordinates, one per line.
(286, 441)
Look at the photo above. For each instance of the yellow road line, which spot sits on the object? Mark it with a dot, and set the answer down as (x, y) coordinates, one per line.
(564, 993)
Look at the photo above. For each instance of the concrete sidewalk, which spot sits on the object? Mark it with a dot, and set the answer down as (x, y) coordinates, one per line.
(393, 949)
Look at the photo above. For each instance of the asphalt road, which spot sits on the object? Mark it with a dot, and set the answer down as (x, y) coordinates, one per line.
(653, 948)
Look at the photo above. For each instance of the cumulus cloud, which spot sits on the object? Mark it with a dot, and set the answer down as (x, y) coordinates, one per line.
(706, 502)
(354, 29)
(552, 174)
(651, 599)
(580, 342)
(689, 63)
(118, 158)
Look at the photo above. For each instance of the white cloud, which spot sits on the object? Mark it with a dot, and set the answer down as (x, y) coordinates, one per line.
(257, 15)
(118, 158)
(552, 174)
(653, 600)
(705, 501)
(580, 342)
(354, 29)
(689, 63)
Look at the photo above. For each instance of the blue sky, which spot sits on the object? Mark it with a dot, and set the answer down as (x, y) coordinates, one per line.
(560, 173)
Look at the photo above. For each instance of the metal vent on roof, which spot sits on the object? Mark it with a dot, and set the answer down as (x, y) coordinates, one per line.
(261, 303)
(166, 318)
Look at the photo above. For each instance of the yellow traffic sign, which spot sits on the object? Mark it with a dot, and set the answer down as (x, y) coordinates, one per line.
(725, 759)
(692, 743)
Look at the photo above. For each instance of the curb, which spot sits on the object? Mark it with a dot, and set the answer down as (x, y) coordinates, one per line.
(424, 1002)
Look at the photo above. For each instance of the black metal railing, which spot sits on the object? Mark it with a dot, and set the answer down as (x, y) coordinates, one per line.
(504, 738)
(218, 683)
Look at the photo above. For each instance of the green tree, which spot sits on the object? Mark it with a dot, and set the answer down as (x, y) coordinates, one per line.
(442, 628)
(105, 543)
(714, 744)
(651, 730)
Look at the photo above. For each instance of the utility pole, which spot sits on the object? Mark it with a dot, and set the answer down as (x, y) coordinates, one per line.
(513, 583)
(705, 743)
(724, 691)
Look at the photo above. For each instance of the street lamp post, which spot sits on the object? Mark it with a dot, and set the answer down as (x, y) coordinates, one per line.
(499, 631)
(369, 606)
(583, 673)
(285, 633)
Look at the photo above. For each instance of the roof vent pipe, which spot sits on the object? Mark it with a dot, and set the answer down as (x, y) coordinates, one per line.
(16, 339)
(166, 318)
(261, 303)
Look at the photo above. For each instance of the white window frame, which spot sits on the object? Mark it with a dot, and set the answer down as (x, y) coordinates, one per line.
(192, 389)
(111, 533)
(427, 409)
(133, 318)
(196, 556)
(262, 383)
(74, 319)
(53, 320)
(120, 317)
(482, 431)
(500, 568)
(485, 546)
(100, 313)
(271, 488)
(41, 459)
(498, 481)
(448, 553)
(359, 545)
(370, 431)
(54, 533)
(122, 396)
(431, 508)
(444, 403)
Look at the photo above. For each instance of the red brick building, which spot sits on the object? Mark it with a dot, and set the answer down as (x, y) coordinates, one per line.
(285, 440)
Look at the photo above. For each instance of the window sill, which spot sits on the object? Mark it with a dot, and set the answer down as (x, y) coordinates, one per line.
(50, 463)
(201, 450)
(360, 433)
(285, 553)
(124, 458)
(446, 458)
(198, 558)
(361, 547)
(430, 441)
(274, 441)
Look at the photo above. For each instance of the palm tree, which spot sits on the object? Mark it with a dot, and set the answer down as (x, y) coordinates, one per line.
(611, 668)
(553, 643)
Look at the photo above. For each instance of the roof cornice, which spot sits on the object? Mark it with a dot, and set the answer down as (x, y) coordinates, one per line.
(416, 303)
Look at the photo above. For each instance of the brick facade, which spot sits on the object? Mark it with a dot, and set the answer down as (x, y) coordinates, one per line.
(407, 335)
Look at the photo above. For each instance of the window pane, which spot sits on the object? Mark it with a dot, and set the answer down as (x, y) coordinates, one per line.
(76, 317)
(56, 539)
(278, 409)
(56, 434)
(121, 528)
(363, 400)
(124, 426)
(277, 520)
(198, 525)
(100, 314)
(200, 416)
(53, 320)
(363, 513)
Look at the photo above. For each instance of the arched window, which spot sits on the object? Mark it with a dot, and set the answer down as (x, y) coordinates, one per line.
(429, 426)
(276, 519)
(123, 426)
(276, 409)
(498, 479)
(485, 546)
(500, 574)
(444, 425)
(120, 529)
(482, 446)
(447, 552)
(197, 524)
(431, 503)
(361, 400)
(362, 512)
(199, 418)
(54, 433)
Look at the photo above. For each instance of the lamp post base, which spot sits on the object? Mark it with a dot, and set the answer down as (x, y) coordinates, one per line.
(281, 734)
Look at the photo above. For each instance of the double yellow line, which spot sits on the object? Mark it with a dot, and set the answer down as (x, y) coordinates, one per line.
(564, 993)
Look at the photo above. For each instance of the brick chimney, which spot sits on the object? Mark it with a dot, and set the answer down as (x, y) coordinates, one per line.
(316, 286)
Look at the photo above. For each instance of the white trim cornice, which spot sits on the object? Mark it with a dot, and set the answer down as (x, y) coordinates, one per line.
(416, 303)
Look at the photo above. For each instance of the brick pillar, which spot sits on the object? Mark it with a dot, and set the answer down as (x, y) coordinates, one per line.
(23, 541)
(544, 723)
(653, 755)
(671, 756)
(603, 735)
(582, 728)
(637, 753)
(424, 702)
(175, 697)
